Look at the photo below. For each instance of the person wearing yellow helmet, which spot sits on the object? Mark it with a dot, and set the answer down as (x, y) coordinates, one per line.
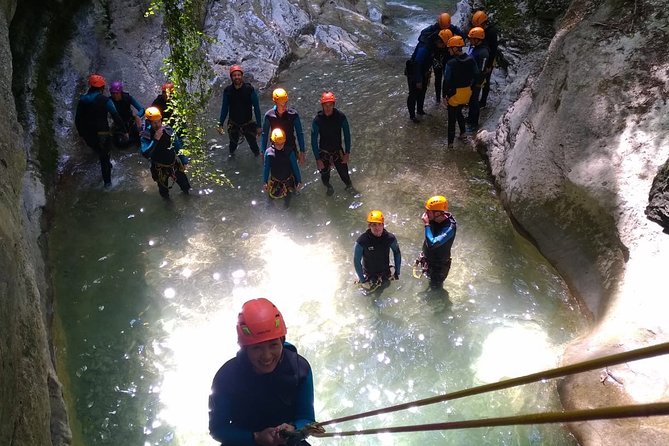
(287, 119)
(481, 19)
(161, 145)
(460, 74)
(440, 228)
(326, 142)
(281, 174)
(240, 100)
(91, 122)
(479, 52)
(371, 252)
(267, 388)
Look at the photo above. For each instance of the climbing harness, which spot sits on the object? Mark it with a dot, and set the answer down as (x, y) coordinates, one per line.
(420, 267)
(243, 129)
(373, 283)
(331, 157)
(296, 436)
(280, 188)
(167, 172)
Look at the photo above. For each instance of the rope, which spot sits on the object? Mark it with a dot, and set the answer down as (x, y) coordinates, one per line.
(604, 361)
(604, 413)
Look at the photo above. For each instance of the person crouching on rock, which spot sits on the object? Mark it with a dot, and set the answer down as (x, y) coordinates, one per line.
(161, 145)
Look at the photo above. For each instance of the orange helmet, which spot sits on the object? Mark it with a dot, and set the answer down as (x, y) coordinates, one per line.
(445, 34)
(476, 33)
(328, 96)
(437, 203)
(375, 217)
(168, 86)
(236, 68)
(444, 20)
(280, 96)
(479, 18)
(455, 41)
(259, 321)
(96, 81)
(152, 113)
(278, 136)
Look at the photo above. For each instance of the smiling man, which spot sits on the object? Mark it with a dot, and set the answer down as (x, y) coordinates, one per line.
(371, 253)
(267, 388)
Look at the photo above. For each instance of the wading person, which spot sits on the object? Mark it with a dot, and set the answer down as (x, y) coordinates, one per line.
(417, 71)
(326, 142)
(240, 101)
(440, 227)
(124, 102)
(371, 252)
(91, 121)
(281, 174)
(161, 145)
(286, 118)
(266, 388)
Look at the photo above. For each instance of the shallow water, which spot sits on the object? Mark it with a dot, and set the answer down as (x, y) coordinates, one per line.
(148, 291)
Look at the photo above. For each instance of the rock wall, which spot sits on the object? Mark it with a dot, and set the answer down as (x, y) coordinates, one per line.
(31, 406)
(575, 157)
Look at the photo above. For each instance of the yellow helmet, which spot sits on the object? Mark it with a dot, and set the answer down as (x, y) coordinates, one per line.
(444, 20)
(476, 33)
(278, 136)
(479, 18)
(455, 41)
(280, 96)
(437, 203)
(445, 34)
(375, 217)
(153, 113)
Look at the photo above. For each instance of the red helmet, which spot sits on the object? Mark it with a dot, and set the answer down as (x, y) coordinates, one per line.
(328, 96)
(96, 81)
(236, 68)
(259, 321)
(168, 86)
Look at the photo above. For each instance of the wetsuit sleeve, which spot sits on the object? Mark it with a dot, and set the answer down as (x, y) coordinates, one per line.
(111, 108)
(138, 107)
(446, 85)
(220, 414)
(304, 403)
(256, 107)
(299, 133)
(418, 65)
(295, 167)
(357, 261)
(347, 135)
(265, 172)
(79, 119)
(477, 73)
(265, 134)
(397, 256)
(225, 106)
(147, 143)
(439, 239)
(314, 140)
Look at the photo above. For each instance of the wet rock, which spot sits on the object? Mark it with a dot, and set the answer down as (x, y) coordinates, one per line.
(658, 200)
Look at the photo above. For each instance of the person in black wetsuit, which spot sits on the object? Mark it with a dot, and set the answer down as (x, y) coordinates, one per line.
(124, 102)
(480, 18)
(479, 52)
(329, 124)
(281, 174)
(161, 145)
(240, 100)
(267, 389)
(162, 102)
(286, 118)
(440, 228)
(371, 252)
(92, 123)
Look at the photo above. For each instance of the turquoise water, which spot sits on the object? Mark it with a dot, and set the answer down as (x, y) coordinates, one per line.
(147, 291)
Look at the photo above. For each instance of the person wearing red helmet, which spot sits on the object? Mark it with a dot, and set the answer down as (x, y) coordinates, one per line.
(162, 102)
(91, 121)
(267, 388)
(240, 100)
(326, 142)
(440, 228)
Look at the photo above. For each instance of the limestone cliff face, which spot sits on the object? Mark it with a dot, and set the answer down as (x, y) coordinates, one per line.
(575, 157)
(31, 408)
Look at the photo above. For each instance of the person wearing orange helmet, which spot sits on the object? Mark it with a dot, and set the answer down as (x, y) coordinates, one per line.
(267, 389)
(481, 19)
(287, 119)
(241, 100)
(92, 124)
(479, 52)
(440, 228)
(162, 101)
(326, 142)
(460, 74)
(281, 174)
(371, 252)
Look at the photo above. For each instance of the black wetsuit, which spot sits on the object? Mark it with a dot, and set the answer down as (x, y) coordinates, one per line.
(124, 109)
(240, 103)
(439, 239)
(375, 255)
(165, 164)
(326, 143)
